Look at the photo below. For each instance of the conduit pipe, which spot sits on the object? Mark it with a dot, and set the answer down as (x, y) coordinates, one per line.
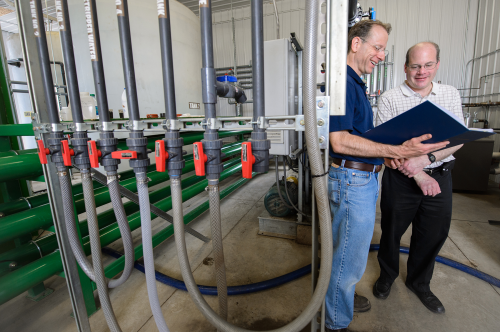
(312, 9)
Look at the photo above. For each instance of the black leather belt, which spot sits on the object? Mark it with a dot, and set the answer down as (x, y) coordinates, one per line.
(358, 165)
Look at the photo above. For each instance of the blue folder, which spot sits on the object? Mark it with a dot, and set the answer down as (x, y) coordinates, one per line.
(426, 118)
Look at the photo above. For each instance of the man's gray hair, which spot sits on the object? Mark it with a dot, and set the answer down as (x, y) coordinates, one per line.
(436, 46)
(362, 30)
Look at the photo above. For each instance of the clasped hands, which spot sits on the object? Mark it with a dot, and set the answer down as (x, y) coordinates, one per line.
(413, 168)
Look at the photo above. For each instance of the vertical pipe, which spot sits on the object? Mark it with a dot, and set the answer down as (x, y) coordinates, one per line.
(69, 60)
(43, 56)
(80, 137)
(127, 58)
(207, 53)
(258, 61)
(96, 59)
(277, 20)
(259, 141)
(167, 59)
(107, 142)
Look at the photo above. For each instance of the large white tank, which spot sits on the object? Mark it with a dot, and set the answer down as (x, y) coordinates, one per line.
(144, 27)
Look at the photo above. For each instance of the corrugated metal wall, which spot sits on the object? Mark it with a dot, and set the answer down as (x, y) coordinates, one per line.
(443, 21)
(483, 74)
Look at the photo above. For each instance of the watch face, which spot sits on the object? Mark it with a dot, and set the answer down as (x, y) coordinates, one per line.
(432, 157)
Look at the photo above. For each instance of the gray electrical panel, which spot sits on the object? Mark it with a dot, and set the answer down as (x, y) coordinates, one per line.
(281, 88)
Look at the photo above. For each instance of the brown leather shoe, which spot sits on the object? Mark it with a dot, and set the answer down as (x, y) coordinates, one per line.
(361, 303)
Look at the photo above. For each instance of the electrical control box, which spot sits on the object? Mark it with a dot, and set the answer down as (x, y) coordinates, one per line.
(281, 91)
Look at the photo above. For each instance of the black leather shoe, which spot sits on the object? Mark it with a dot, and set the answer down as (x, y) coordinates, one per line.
(429, 300)
(381, 289)
(361, 303)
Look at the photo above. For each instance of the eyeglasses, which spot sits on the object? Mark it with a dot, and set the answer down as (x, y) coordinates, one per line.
(377, 48)
(427, 66)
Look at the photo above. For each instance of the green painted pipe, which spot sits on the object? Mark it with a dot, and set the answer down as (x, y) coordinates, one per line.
(17, 282)
(28, 165)
(16, 152)
(29, 221)
(31, 202)
(29, 252)
(24, 129)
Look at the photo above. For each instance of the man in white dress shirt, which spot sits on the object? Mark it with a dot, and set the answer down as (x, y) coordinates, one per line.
(416, 191)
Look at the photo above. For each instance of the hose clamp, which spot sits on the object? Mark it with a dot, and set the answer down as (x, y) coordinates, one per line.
(112, 178)
(28, 202)
(107, 126)
(136, 125)
(173, 124)
(143, 181)
(212, 123)
(38, 247)
(82, 127)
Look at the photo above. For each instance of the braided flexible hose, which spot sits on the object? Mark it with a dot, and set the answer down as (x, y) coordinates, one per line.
(95, 246)
(74, 240)
(312, 9)
(147, 245)
(121, 218)
(220, 267)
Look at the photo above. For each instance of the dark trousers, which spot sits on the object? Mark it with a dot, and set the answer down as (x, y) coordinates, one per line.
(402, 203)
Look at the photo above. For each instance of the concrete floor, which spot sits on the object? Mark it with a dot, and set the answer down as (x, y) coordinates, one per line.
(471, 304)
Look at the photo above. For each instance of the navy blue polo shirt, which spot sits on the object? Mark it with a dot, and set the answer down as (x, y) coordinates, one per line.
(358, 116)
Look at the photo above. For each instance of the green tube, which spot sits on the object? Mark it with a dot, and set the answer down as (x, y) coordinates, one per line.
(27, 221)
(17, 282)
(31, 202)
(29, 252)
(16, 152)
(19, 167)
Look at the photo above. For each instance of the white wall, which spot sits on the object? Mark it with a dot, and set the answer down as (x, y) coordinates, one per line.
(442, 21)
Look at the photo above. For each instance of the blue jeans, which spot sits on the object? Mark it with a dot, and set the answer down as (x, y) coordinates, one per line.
(353, 198)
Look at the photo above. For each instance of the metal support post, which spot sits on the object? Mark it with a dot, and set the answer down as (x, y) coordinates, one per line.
(33, 34)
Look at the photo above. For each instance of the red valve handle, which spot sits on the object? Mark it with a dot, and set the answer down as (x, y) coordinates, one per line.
(124, 154)
(161, 155)
(94, 154)
(67, 153)
(42, 152)
(247, 160)
(200, 158)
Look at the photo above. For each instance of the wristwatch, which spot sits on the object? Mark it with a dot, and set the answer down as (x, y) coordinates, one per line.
(432, 158)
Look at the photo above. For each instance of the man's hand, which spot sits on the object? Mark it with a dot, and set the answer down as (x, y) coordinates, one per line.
(415, 148)
(393, 163)
(427, 184)
(413, 166)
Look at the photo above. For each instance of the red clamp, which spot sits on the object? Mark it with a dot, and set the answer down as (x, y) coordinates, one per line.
(67, 153)
(94, 154)
(200, 158)
(247, 160)
(161, 155)
(124, 154)
(42, 152)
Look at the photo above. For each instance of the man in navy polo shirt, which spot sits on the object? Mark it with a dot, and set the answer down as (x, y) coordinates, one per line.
(353, 175)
